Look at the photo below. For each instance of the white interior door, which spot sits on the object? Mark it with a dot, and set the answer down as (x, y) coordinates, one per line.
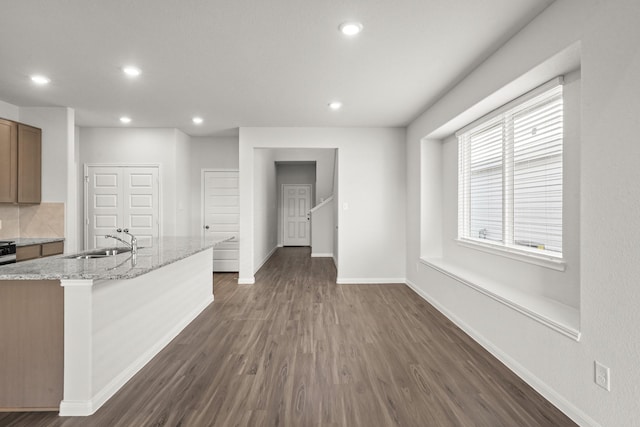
(296, 203)
(121, 197)
(104, 204)
(221, 216)
(140, 205)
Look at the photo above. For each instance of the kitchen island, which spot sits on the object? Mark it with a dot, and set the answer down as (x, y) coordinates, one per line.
(84, 327)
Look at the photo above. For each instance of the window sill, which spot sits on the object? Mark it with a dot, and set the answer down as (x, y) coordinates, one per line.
(557, 316)
(520, 255)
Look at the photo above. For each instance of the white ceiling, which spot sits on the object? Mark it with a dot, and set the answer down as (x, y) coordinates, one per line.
(247, 62)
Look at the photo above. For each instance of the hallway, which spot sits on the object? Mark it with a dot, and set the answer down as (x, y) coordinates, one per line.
(295, 349)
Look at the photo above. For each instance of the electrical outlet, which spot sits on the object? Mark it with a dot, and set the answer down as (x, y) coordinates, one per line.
(602, 376)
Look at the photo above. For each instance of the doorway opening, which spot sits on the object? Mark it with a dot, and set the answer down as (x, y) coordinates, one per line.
(296, 185)
(272, 169)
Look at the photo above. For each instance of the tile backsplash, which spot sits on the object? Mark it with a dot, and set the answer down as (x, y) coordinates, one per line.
(10, 217)
(43, 220)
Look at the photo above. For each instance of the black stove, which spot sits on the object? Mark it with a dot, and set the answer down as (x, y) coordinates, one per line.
(7, 252)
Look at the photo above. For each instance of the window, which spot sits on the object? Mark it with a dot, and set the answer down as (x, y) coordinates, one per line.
(510, 175)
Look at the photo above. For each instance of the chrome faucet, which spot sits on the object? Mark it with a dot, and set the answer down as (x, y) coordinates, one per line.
(134, 242)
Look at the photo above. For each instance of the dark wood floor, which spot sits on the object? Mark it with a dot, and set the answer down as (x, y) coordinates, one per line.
(295, 349)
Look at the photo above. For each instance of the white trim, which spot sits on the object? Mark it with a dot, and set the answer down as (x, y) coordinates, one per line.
(76, 408)
(321, 204)
(559, 317)
(246, 280)
(78, 283)
(554, 263)
(89, 407)
(369, 281)
(556, 399)
(557, 81)
(321, 255)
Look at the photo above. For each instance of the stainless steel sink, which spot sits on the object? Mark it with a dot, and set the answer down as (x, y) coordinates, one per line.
(100, 253)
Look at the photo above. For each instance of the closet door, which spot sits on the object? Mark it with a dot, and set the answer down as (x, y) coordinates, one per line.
(121, 197)
(140, 203)
(221, 216)
(104, 197)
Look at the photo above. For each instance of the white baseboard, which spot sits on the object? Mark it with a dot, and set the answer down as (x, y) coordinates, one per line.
(76, 408)
(369, 281)
(560, 402)
(321, 255)
(246, 280)
(89, 407)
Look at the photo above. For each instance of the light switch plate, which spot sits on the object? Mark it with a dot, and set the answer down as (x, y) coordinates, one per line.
(602, 376)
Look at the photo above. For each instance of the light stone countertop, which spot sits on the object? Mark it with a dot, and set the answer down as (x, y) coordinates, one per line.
(122, 266)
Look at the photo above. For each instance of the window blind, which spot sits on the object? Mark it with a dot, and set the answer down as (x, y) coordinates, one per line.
(510, 176)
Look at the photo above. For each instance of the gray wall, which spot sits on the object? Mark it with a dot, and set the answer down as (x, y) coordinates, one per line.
(207, 153)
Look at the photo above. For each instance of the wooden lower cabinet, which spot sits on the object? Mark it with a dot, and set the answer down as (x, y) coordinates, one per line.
(32, 350)
(24, 253)
(52, 248)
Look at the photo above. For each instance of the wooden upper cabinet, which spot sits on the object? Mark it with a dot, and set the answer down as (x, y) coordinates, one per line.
(20, 163)
(8, 161)
(29, 164)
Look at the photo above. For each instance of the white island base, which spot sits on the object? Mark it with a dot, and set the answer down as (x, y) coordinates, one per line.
(112, 328)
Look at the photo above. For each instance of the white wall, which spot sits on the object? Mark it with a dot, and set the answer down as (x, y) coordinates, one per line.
(78, 188)
(265, 207)
(58, 158)
(208, 153)
(296, 173)
(559, 367)
(57, 141)
(371, 236)
(164, 147)
(9, 111)
(336, 208)
(322, 230)
(182, 183)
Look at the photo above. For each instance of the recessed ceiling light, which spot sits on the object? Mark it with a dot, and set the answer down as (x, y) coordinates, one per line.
(350, 28)
(131, 71)
(125, 119)
(197, 120)
(40, 79)
(335, 105)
